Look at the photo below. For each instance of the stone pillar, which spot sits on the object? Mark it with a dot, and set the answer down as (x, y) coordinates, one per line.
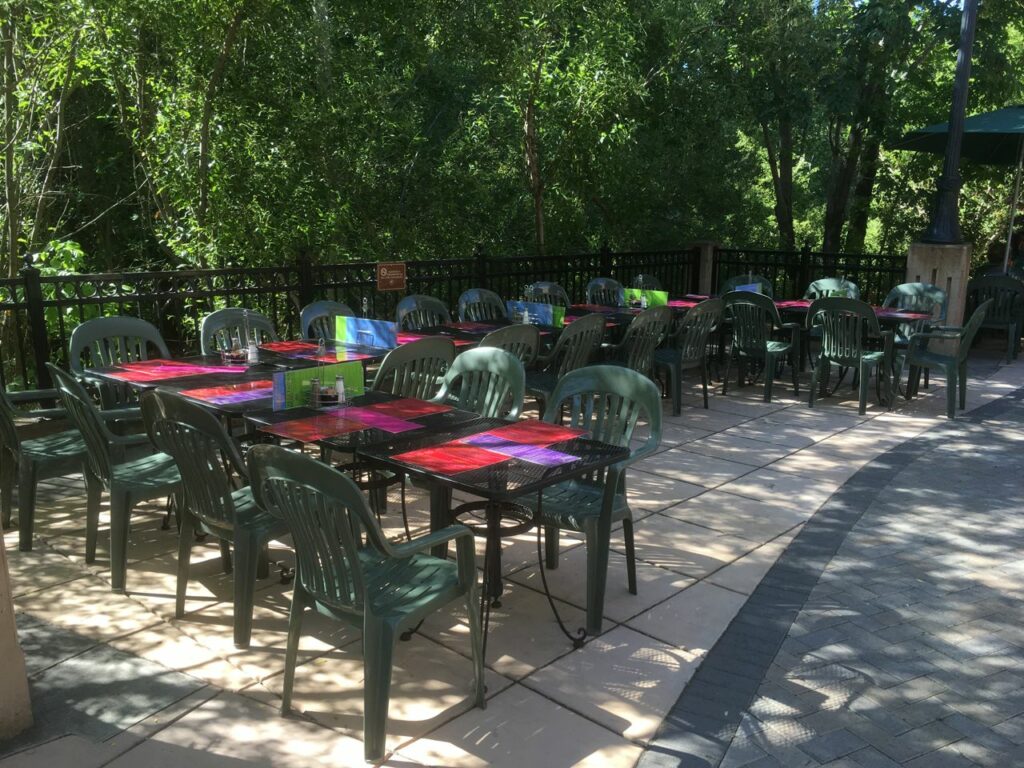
(15, 707)
(945, 266)
(705, 265)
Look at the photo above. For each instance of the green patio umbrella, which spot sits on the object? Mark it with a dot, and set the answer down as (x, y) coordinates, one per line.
(993, 138)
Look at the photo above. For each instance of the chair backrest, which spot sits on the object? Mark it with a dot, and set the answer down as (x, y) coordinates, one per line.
(105, 341)
(488, 381)
(224, 329)
(478, 304)
(578, 342)
(764, 284)
(545, 292)
(1006, 293)
(643, 336)
(691, 339)
(845, 324)
(647, 282)
(832, 286)
(754, 316)
(415, 369)
(970, 330)
(202, 449)
(605, 291)
(84, 414)
(521, 339)
(317, 319)
(418, 311)
(918, 297)
(608, 401)
(326, 514)
(9, 439)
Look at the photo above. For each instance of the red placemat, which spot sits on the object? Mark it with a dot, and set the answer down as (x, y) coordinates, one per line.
(684, 303)
(408, 408)
(466, 325)
(142, 371)
(536, 432)
(313, 428)
(793, 304)
(289, 346)
(451, 458)
(232, 393)
(405, 337)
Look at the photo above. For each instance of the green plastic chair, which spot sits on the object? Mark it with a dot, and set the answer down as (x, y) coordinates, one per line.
(1006, 311)
(954, 366)
(846, 325)
(487, 381)
(916, 297)
(224, 330)
(30, 460)
(416, 312)
(546, 292)
(318, 319)
(755, 318)
(576, 346)
(764, 284)
(381, 588)
(106, 341)
(128, 481)
(415, 369)
(607, 401)
(832, 286)
(479, 304)
(689, 349)
(205, 454)
(522, 340)
(606, 292)
(642, 337)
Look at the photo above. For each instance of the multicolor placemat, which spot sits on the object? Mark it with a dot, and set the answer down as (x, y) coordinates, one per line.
(231, 394)
(393, 417)
(293, 388)
(145, 371)
(307, 350)
(473, 327)
(406, 337)
(524, 440)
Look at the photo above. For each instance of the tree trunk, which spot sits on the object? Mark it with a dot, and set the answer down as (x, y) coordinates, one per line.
(532, 153)
(204, 130)
(844, 167)
(10, 178)
(860, 204)
(41, 219)
(781, 165)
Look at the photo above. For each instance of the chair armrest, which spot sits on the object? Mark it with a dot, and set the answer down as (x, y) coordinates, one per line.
(133, 413)
(949, 334)
(430, 540)
(946, 328)
(791, 326)
(129, 441)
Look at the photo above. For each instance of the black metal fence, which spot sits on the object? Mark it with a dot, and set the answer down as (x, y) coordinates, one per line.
(38, 312)
(790, 272)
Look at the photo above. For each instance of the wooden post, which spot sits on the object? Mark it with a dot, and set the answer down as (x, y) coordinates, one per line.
(15, 706)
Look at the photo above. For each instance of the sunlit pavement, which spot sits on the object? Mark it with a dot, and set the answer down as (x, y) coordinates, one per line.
(118, 681)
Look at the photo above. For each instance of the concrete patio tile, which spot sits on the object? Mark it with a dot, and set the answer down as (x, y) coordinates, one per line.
(782, 486)
(790, 436)
(88, 607)
(744, 401)
(232, 731)
(698, 417)
(739, 449)
(683, 547)
(430, 685)
(745, 574)
(653, 492)
(213, 628)
(815, 464)
(518, 552)
(44, 644)
(675, 432)
(147, 540)
(692, 620)
(521, 728)
(523, 632)
(39, 569)
(568, 582)
(753, 519)
(623, 680)
(692, 467)
(64, 750)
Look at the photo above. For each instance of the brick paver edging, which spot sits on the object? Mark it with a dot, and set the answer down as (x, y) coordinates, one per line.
(698, 729)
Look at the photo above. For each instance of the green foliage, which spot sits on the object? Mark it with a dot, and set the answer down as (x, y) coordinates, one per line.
(236, 132)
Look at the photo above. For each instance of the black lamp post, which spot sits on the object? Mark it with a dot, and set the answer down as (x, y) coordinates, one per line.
(945, 225)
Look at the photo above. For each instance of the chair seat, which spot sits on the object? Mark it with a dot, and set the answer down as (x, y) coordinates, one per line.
(572, 503)
(402, 586)
(926, 358)
(58, 446)
(871, 357)
(247, 515)
(672, 357)
(157, 470)
(541, 381)
(778, 346)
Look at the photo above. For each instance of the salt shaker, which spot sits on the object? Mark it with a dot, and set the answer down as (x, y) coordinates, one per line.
(314, 393)
(339, 389)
